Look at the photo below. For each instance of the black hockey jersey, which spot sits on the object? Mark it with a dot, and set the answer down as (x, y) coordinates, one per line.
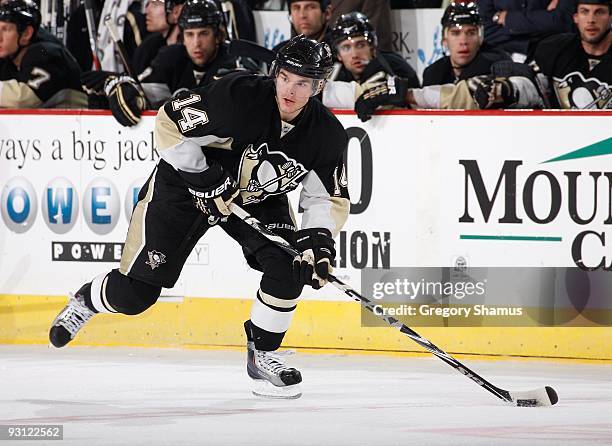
(577, 79)
(172, 71)
(235, 121)
(48, 76)
(441, 71)
(342, 89)
(394, 63)
(147, 52)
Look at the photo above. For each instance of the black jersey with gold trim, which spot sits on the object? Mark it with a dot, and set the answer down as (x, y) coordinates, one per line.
(172, 71)
(45, 70)
(235, 121)
(578, 79)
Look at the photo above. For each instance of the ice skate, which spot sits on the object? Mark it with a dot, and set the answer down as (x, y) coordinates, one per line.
(70, 320)
(271, 378)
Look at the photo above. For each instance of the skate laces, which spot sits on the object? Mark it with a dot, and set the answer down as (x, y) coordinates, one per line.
(74, 315)
(272, 361)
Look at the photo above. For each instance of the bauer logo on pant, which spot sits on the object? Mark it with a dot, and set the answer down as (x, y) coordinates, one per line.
(156, 258)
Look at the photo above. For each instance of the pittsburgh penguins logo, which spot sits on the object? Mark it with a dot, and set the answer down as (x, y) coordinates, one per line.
(264, 172)
(574, 91)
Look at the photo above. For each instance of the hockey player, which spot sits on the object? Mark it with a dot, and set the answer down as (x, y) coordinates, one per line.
(464, 79)
(462, 38)
(360, 65)
(34, 73)
(202, 58)
(162, 22)
(578, 67)
(309, 17)
(250, 139)
(513, 86)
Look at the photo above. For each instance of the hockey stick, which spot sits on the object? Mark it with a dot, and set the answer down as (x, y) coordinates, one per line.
(545, 396)
(230, 19)
(92, 32)
(114, 33)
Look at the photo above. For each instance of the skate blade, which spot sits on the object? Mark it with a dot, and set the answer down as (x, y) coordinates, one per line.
(265, 389)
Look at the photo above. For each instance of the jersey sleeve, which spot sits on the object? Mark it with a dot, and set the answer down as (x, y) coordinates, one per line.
(448, 96)
(44, 72)
(201, 117)
(15, 94)
(548, 50)
(183, 126)
(340, 94)
(155, 79)
(324, 196)
(402, 69)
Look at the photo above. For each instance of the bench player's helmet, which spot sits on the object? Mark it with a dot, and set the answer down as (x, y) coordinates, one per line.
(22, 13)
(353, 24)
(169, 7)
(323, 3)
(305, 57)
(200, 14)
(462, 13)
(595, 2)
(170, 4)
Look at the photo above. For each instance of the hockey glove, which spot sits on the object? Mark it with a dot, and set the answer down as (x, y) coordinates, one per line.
(93, 81)
(392, 92)
(314, 265)
(212, 190)
(492, 92)
(375, 68)
(125, 98)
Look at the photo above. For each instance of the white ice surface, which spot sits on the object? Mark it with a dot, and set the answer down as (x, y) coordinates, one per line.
(107, 396)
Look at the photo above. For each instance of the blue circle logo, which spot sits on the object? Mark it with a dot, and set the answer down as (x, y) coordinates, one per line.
(101, 206)
(19, 205)
(60, 205)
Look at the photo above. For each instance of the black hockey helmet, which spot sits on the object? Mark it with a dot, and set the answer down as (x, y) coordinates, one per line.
(170, 4)
(323, 3)
(461, 13)
(22, 13)
(595, 2)
(305, 57)
(353, 24)
(199, 14)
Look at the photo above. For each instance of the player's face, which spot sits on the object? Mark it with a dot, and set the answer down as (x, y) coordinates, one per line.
(201, 45)
(292, 93)
(463, 42)
(308, 18)
(355, 53)
(593, 21)
(155, 14)
(9, 39)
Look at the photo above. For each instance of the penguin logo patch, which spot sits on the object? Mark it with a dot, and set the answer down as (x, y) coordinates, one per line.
(574, 91)
(156, 258)
(264, 172)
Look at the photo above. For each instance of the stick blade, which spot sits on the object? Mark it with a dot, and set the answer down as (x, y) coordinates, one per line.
(545, 396)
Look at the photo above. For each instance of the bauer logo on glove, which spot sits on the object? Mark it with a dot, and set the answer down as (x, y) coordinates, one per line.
(212, 190)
